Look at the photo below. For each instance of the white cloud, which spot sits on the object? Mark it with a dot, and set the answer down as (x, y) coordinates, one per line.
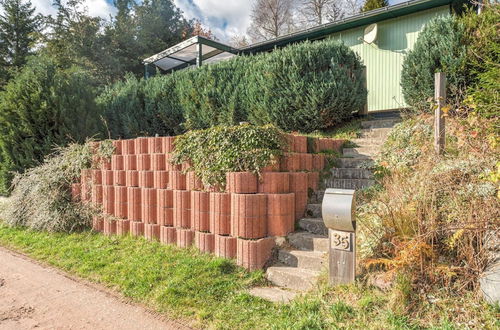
(225, 18)
(96, 8)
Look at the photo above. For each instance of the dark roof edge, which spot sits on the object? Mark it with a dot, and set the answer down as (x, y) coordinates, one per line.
(373, 16)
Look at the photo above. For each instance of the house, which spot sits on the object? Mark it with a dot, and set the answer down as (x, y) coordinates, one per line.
(381, 37)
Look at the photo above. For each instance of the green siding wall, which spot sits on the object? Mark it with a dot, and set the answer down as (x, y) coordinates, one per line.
(384, 58)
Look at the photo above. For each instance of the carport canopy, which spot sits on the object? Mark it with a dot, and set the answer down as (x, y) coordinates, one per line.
(194, 51)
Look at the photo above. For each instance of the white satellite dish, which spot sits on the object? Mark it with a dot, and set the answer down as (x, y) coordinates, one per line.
(370, 33)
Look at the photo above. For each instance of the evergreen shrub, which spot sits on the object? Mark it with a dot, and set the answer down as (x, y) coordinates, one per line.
(303, 87)
(439, 48)
(44, 106)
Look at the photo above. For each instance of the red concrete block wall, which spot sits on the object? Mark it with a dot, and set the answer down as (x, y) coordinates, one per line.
(142, 193)
(220, 213)
(249, 215)
(241, 183)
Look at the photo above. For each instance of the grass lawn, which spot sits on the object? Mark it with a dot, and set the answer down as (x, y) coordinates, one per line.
(206, 291)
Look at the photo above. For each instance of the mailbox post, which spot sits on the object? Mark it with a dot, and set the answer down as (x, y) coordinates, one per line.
(338, 216)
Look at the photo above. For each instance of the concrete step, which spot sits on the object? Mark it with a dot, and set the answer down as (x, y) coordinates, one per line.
(313, 225)
(357, 162)
(348, 183)
(361, 151)
(274, 294)
(368, 142)
(292, 277)
(351, 173)
(313, 210)
(303, 259)
(380, 123)
(306, 241)
(371, 133)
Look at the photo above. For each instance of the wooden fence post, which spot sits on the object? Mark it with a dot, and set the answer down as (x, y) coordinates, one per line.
(439, 119)
(364, 111)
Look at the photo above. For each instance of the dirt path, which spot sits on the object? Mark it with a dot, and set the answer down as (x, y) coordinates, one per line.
(35, 296)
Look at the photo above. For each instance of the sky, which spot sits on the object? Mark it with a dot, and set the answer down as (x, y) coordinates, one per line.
(226, 18)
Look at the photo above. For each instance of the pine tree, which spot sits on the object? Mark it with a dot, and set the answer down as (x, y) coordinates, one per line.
(19, 27)
(374, 4)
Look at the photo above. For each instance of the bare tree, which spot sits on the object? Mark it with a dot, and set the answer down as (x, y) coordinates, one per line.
(239, 41)
(352, 7)
(317, 12)
(271, 19)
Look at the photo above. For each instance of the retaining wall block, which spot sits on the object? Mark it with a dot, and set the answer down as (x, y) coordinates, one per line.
(306, 162)
(132, 178)
(137, 228)
(297, 143)
(225, 246)
(185, 237)
(177, 180)
(204, 241)
(290, 162)
(141, 145)
(128, 147)
(144, 162)
(220, 213)
(200, 210)
(193, 182)
(253, 254)
(154, 145)
(120, 202)
(152, 231)
(130, 162)
(241, 182)
(182, 208)
(117, 162)
(109, 227)
(318, 162)
(108, 199)
(274, 182)
(134, 212)
(249, 215)
(149, 205)
(122, 227)
(97, 223)
(313, 180)
(160, 179)
(96, 197)
(280, 214)
(96, 177)
(119, 178)
(118, 147)
(165, 209)
(146, 179)
(168, 235)
(107, 177)
(158, 162)
(167, 144)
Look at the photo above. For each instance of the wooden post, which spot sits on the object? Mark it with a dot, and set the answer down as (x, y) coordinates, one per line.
(439, 119)
(342, 258)
(364, 111)
(199, 54)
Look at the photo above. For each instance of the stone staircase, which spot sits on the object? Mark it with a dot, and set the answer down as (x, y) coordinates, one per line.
(301, 260)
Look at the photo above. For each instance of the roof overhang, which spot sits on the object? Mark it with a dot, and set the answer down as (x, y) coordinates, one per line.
(187, 52)
(362, 19)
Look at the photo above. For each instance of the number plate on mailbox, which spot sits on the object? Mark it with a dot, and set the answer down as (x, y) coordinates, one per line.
(341, 240)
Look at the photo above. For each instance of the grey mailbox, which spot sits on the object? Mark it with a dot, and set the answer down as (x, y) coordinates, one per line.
(338, 210)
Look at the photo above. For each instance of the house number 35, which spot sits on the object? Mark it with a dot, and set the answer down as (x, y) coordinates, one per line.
(341, 241)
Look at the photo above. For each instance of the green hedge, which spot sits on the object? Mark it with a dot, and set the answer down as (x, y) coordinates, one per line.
(439, 47)
(303, 87)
